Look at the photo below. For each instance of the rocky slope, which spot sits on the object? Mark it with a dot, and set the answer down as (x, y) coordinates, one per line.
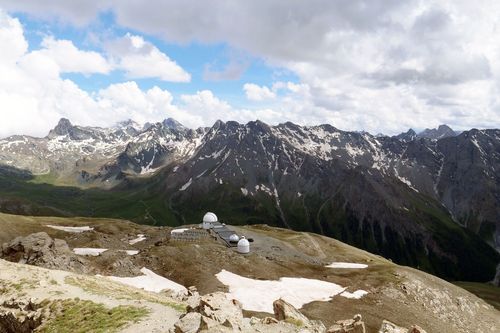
(406, 197)
(402, 295)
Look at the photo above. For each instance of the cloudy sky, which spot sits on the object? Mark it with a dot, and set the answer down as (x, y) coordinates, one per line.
(373, 65)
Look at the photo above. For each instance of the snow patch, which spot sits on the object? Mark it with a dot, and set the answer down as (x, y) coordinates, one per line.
(130, 252)
(150, 281)
(185, 186)
(346, 265)
(70, 229)
(140, 238)
(178, 231)
(355, 295)
(88, 251)
(259, 295)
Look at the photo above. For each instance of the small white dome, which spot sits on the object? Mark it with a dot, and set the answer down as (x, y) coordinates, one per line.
(243, 245)
(210, 217)
(234, 238)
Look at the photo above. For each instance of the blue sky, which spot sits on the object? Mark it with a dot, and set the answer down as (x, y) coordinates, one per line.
(194, 57)
(377, 66)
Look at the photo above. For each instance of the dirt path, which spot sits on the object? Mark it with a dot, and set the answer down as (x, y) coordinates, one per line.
(321, 253)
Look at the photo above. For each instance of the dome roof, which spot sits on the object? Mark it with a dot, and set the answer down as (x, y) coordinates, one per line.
(234, 238)
(243, 245)
(210, 217)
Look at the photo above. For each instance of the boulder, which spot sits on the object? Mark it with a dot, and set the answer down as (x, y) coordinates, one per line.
(40, 249)
(416, 329)
(388, 327)
(287, 312)
(208, 324)
(224, 311)
(269, 320)
(354, 325)
(216, 313)
(284, 311)
(189, 323)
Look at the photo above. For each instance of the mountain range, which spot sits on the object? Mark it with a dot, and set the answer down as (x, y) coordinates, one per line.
(430, 200)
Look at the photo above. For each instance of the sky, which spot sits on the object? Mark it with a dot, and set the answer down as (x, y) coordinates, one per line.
(381, 66)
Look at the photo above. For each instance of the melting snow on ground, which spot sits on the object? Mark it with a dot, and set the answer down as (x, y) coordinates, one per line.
(346, 265)
(140, 238)
(185, 186)
(259, 295)
(131, 252)
(357, 294)
(70, 229)
(178, 231)
(88, 251)
(150, 281)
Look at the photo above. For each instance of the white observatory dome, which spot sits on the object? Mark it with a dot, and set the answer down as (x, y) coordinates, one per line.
(208, 219)
(234, 238)
(243, 245)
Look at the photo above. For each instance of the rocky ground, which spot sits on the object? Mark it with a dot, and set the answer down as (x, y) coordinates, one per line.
(402, 295)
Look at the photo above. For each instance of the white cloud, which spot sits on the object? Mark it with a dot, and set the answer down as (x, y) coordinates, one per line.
(141, 59)
(70, 59)
(380, 65)
(33, 96)
(257, 93)
(11, 35)
(127, 100)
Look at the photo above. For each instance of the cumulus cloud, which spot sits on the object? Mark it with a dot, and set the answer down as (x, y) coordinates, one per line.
(141, 59)
(68, 58)
(255, 92)
(380, 65)
(33, 96)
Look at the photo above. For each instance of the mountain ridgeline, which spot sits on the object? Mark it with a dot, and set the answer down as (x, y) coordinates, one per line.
(429, 200)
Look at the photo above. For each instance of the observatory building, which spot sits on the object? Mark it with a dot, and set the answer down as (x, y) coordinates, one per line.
(219, 230)
(210, 221)
(243, 245)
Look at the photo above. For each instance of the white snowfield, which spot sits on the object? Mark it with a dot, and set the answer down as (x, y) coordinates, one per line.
(357, 294)
(259, 295)
(131, 252)
(150, 281)
(346, 265)
(88, 251)
(70, 229)
(178, 231)
(140, 238)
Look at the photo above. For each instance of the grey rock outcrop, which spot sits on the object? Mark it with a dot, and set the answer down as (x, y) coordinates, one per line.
(355, 325)
(216, 313)
(388, 327)
(41, 250)
(189, 323)
(284, 311)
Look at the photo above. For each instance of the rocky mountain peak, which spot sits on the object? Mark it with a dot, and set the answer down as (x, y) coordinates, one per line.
(443, 131)
(408, 136)
(62, 128)
(258, 126)
(129, 123)
(173, 124)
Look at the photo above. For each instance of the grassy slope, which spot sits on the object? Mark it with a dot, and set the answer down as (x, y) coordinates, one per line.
(145, 202)
(86, 316)
(34, 198)
(275, 253)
